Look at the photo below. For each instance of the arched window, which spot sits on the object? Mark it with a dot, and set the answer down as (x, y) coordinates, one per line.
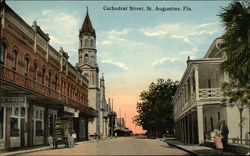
(2, 52)
(14, 59)
(43, 74)
(49, 79)
(34, 70)
(56, 81)
(92, 43)
(86, 58)
(26, 65)
(92, 60)
(86, 43)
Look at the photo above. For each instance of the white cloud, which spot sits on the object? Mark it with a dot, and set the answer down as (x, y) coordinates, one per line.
(184, 38)
(162, 60)
(205, 25)
(181, 31)
(189, 52)
(122, 32)
(106, 42)
(161, 29)
(118, 64)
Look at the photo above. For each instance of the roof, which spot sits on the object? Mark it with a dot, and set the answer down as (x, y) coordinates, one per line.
(87, 26)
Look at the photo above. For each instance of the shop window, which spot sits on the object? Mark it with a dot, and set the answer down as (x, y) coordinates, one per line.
(1, 122)
(39, 129)
(39, 122)
(23, 111)
(14, 59)
(2, 52)
(14, 131)
(26, 66)
(16, 110)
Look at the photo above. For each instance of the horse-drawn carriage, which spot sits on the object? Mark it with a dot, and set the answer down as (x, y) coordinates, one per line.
(61, 133)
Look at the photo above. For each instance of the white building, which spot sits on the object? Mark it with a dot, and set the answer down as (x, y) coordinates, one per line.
(104, 110)
(197, 101)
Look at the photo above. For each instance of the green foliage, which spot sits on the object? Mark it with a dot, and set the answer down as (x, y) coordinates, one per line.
(236, 95)
(236, 19)
(155, 111)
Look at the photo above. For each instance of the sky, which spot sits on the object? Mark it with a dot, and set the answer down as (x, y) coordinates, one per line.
(134, 48)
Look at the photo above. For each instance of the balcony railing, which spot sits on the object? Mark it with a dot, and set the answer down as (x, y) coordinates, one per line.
(20, 80)
(210, 93)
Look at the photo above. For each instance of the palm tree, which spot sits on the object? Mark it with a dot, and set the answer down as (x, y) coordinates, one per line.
(236, 19)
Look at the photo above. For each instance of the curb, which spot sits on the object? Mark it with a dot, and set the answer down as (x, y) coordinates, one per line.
(46, 147)
(193, 153)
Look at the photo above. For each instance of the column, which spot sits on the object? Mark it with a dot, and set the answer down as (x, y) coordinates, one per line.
(196, 73)
(200, 124)
(7, 130)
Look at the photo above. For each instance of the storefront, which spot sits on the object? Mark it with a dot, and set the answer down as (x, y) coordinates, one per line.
(17, 119)
(2, 127)
(38, 125)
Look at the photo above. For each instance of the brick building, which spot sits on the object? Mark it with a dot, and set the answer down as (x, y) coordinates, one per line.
(37, 85)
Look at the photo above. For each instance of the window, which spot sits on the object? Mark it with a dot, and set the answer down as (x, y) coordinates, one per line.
(14, 131)
(43, 74)
(1, 121)
(14, 59)
(56, 81)
(92, 43)
(218, 116)
(2, 52)
(39, 117)
(86, 43)
(92, 60)
(49, 79)
(26, 65)
(35, 69)
(212, 124)
(86, 58)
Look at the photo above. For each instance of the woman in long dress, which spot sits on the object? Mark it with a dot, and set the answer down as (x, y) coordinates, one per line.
(217, 142)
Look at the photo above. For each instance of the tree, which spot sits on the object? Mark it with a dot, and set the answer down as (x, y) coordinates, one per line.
(236, 19)
(236, 96)
(155, 111)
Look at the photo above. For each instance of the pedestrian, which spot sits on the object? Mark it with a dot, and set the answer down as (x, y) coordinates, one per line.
(217, 142)
(224, 133)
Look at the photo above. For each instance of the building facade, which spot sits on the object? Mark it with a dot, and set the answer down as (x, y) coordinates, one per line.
(37, 85)
(197, 101)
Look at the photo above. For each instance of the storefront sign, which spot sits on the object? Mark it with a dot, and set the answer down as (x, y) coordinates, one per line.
(69, 110)
(13, 102)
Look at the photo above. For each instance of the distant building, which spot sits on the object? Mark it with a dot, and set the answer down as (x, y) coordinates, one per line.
(121, 129)
(37, 85)
(197, 110)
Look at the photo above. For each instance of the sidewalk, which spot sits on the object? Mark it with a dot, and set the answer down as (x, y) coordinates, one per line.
(24, 150)
(195, 149)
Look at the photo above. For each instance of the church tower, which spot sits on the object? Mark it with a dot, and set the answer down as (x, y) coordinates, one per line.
(88, 63)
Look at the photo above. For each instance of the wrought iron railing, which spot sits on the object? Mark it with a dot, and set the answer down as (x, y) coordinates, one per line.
(236, 141)
(33, 86)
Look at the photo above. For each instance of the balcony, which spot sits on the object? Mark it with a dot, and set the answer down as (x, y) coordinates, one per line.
(210, 94)
(32, 86)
